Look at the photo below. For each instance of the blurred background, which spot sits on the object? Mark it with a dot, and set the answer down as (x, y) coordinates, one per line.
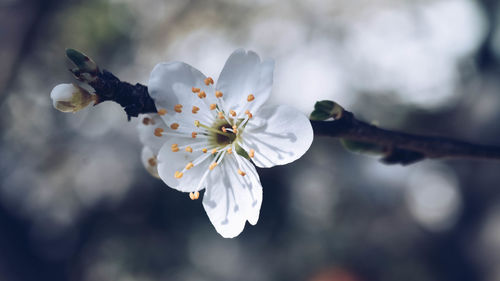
(77, 204)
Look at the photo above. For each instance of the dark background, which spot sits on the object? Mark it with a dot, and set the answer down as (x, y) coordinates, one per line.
(76, 203)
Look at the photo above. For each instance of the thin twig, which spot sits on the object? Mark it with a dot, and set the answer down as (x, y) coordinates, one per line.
(349, 128)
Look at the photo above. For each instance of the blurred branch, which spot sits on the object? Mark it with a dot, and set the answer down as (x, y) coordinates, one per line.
(399, 147)
(358, 136)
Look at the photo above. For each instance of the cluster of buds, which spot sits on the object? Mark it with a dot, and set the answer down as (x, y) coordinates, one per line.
(71, 97)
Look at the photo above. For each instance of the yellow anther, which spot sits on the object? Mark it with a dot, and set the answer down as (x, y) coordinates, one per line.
(204, 150)
(178, 108)
(214, 151)
(213, 106)
(146, 120)
(202, 95)
(194, 195)
(189, 149)
(195, 109)
(232, 112)
(174, 126)
(229, 150)
(196, 123)
(235, 129)
(175, 147)
(158, 132)
(178, 175)
(250, 98)
(247, 112)
(152, 161)
(195, 90)
(221, 115)
(224, 129)
(218, 94)
(162, 111)
(189, 165)
(193, 134)
(241, 173)
(212, 166)
(251, 153)
(209, 81)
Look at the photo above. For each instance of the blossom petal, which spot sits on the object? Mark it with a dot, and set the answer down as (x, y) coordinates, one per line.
(231, 199)
(242, 75)
(146, 127)
(170, 162)
(279, 135)
(171, 84)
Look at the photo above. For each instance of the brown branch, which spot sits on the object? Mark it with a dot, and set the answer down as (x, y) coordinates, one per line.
(402, 147)
(396, 147)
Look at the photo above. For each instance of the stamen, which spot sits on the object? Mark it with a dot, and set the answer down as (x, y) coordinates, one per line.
(174, 126)
(146, 120)
(175, 147)
(221, 115)
(247, 112)
(195, 90)
(197, 123)
(250, 98)
(251, 153)
(189, 149)
(204, 150)
(178, 175)
(202, 95)
(194, 195)
(218, 94)
(241, 173)
(189, 165)
(178, 108)
(209, 81)
(195, 109)
(213, 106)
(224, 129)
(158, 132)
(229, 150)
(232, 112)
(214, 151)
(193, 135)
(152, 161)
(235, 129)
(162, 111)
(212, 166)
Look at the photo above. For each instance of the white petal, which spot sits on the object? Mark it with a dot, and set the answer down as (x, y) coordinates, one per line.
(171, 84)
(146, 127)
(279, 135)
(149, 161)
(242, 75)
(170, 162)
(231, 199)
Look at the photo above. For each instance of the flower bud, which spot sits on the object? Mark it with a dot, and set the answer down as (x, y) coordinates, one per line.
(70, 97)
(82, 61)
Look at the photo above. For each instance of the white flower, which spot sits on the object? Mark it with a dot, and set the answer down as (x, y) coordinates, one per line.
(210, 135)
(70, 97)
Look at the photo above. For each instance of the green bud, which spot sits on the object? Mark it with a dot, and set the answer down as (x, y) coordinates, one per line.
(83, 62)
(326, 109)
(362, 147)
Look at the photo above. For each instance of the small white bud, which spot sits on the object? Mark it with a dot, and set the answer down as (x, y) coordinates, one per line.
(70, 97)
